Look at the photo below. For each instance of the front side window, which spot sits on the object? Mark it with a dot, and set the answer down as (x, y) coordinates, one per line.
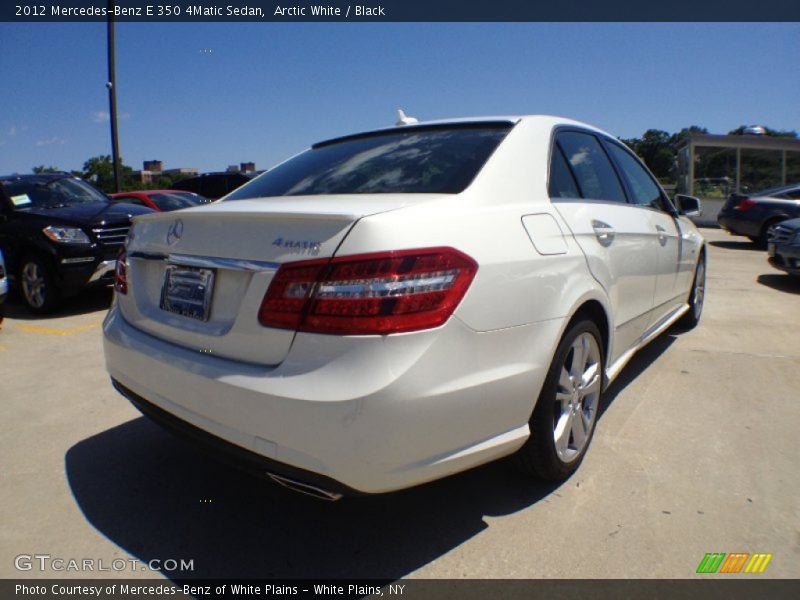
(644, 191)
(423, 160)
(591, 167)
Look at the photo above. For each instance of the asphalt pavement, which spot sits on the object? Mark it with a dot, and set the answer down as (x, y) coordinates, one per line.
(695, 452)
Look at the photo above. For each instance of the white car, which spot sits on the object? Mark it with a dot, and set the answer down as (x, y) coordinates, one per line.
(392, 307)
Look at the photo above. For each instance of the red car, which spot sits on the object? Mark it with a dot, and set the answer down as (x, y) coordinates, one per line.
(161, 200)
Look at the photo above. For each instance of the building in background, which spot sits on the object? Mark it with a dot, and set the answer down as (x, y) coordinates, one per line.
(153, 169)
(712, 167)
(245, 167)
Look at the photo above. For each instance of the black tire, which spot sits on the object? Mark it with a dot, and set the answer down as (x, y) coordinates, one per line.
(696, 296)
(540, 456)
(37, 285)
(761, 240)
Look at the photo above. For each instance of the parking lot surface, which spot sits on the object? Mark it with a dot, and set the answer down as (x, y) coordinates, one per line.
(695, 452)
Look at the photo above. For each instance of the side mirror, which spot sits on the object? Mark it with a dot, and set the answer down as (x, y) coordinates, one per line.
(688, 206)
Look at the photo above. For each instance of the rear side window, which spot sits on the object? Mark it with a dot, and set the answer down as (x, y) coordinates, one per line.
(591, 167)
(644, 191)
(423, 160)
(562, 183)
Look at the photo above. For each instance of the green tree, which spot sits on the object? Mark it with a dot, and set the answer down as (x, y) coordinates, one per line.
(42, 169)
(166, 181)
(657, 152)
(100, 171)
(676, 139)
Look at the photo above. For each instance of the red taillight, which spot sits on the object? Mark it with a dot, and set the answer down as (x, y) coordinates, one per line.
(745, 204)
(121, 272)
(388, 292)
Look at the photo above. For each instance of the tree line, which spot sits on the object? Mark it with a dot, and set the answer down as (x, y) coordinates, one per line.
(100, 171)
(658, 149)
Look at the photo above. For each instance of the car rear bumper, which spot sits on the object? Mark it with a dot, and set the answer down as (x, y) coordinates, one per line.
(363, 414)
(737, 225)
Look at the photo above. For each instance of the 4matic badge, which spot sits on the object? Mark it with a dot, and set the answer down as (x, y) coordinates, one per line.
(298, 246)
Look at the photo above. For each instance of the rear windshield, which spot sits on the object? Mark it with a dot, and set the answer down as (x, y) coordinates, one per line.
(411, 161)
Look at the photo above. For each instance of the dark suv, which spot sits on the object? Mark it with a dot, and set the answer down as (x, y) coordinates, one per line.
(214, 185)
(59, 235)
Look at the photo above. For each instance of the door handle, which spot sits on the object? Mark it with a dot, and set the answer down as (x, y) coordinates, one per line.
(662, 235)
(605, 233)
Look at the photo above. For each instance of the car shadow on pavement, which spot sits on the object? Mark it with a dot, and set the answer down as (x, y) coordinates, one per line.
(158, 497)
(780, 282)
(88, 301)
(638, 365)
(742, 244)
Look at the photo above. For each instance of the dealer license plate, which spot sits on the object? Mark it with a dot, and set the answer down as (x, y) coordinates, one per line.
(187, 291)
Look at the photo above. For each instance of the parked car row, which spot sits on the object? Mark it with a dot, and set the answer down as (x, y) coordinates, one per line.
(771, 219)
(161, 200)
(60, 235)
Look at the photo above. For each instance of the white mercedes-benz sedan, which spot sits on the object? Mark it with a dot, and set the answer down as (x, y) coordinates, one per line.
(391, 307)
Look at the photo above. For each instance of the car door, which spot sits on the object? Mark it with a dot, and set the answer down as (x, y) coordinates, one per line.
(615, 236)
(646, 195)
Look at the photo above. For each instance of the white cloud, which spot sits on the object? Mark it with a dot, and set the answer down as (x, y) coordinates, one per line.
(50, 142)
(102, 116)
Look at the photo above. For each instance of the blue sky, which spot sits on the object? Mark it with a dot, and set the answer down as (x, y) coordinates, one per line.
(207, 95)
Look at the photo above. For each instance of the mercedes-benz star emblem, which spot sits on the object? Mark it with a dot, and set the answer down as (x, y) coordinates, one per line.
(175, 232)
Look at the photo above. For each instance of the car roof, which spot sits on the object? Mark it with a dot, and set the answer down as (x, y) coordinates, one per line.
(776, 190)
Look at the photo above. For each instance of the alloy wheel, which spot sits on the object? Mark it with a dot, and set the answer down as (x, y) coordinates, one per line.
(699, 289)
(577, 397)
(33, 284)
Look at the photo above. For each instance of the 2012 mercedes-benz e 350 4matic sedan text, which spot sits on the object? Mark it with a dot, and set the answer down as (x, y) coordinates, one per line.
(392, 307)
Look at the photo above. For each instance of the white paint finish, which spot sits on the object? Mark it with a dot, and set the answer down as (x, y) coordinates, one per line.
(625, 265)
(385, 412)
(546, 236)
(322, 417)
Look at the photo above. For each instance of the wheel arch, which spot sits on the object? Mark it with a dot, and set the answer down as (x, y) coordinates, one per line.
(596, 312)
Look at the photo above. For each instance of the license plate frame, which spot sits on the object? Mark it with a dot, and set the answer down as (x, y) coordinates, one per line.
(187, 292)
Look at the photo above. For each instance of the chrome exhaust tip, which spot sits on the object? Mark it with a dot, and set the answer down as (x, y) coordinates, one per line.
(305, 488)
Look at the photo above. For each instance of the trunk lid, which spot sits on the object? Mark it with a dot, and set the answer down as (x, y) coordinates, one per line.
(241, 244)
